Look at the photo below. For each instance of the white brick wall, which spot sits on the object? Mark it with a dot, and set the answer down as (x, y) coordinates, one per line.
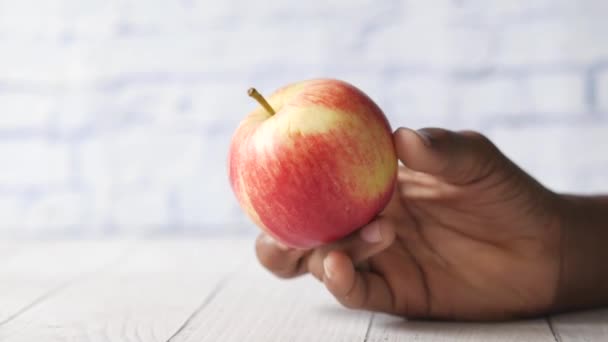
(555, 93)
(12, 214)
(115, 116)
(33, 163)
(601, 90)
(544, 38)
(25, 110)
(564, 157)
(60, 212)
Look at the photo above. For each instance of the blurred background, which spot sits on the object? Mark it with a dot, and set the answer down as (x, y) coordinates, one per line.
(115, 116)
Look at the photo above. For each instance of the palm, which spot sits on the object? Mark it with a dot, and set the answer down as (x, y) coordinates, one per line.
(466, 235)
(476, 251)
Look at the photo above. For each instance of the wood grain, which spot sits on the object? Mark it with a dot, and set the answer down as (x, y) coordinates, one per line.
(255, 306)
(10, 248)
(148, 297)
(584, 326)
(39, 269)
(210, 290)
(387, 328)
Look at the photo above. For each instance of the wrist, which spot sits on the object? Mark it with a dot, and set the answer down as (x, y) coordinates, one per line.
(583, 280)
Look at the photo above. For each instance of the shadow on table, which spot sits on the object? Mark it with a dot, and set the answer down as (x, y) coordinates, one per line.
(585, 323)
(338, 312)
(430, 327)
(592, 324)
(387, 326)
(589, 317)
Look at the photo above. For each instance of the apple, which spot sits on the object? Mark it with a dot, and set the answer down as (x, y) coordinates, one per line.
(312, 164)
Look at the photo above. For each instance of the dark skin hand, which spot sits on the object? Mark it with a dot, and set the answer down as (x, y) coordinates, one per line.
(467, 235)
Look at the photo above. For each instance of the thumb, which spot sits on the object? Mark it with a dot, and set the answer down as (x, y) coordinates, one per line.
(457, 157)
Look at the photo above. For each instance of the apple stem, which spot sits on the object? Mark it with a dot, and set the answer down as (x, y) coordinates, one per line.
(258, 97)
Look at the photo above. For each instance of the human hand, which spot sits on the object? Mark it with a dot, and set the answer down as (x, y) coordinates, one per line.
(467, 235)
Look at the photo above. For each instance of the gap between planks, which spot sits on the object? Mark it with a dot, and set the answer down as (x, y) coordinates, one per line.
(218, 287)
(71, 279)
(131, 298)
(554, 332)
(369, 327)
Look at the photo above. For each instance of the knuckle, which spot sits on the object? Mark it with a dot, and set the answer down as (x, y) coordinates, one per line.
(266, 257)
(280, 268)
(285, 274)
(317, 272)
(479, 138)
(472, 134)
(485, 150)
(279, 263)
(265, 261)
(350, 303)
(354, 298)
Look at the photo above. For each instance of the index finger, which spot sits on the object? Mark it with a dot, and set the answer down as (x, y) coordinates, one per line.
(282, 261)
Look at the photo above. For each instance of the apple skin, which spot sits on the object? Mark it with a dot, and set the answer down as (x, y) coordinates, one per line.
(318, 169)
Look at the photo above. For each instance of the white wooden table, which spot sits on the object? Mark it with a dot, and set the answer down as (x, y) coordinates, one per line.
(208, 290)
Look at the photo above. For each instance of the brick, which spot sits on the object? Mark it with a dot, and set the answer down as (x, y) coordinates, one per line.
(482, 98)
(66, 19)
(553, 94)
(139, 211)
(23, 111)
(234, 40)
(123, 169)
(179, 105)
(182, 179)
(565, 157)
(488, 15)
(234, 54)
(45, 214)
(171, 17)
(601, 91)
(208, 103)
(142, 155)
(281, 15)
(429, 44)
(53, 213)
(417, 101)
(78, 109)
(561, 93)
(208, 198)
(208, 202)
(11, 214)
(44, 63)
(472, 101)
(33, 163)
(553, 42)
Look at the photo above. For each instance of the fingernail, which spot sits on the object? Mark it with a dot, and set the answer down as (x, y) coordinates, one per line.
(327, 268)
(371, 233)
(425, 136)
(271, 241)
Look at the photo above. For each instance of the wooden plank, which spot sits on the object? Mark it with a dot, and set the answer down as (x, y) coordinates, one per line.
(42, 268)
(387, 328)
(10, 248)
(185, 291)
(581, 326)
(148, 297)
(255, 306)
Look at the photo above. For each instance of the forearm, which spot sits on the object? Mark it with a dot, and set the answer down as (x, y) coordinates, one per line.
(584, 240)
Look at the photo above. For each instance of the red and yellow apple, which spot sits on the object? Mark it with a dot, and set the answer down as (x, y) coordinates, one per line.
(312, 164)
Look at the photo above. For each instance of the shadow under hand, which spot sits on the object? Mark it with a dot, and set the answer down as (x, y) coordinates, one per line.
(337, 312)
(592, 323)
(392, 327)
